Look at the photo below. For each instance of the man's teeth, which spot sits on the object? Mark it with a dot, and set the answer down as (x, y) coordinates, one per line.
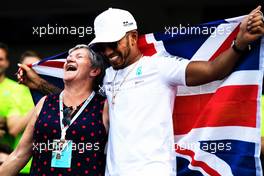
(114, 58)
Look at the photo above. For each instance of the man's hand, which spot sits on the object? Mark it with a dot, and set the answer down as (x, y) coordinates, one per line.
(31, 79)
(251, 28)
(28, 76)
(3, 157)
(202, 72)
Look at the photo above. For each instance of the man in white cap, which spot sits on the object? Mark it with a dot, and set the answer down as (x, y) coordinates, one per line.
(141, 91)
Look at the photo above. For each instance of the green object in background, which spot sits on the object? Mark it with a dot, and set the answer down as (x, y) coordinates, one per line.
(26, 169)
(15, 99)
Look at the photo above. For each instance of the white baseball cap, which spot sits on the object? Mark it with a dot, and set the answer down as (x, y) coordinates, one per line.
(112, 25)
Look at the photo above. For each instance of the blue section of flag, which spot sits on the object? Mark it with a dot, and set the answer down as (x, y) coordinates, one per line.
(183, 170)
(239, 155)
(186, 45)
(251, 60)
(57, 56)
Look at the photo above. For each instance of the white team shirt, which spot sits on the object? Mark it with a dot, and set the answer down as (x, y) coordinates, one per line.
(141, 140)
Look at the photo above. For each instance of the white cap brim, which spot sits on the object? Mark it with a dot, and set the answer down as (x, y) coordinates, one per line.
(107, 39)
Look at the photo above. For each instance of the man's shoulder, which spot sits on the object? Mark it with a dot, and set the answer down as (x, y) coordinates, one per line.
(9, 82)
(10, 85)
(109, 69)
(165, 55)
(13, 86)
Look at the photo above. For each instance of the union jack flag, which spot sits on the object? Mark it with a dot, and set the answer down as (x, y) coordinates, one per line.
(216, 125)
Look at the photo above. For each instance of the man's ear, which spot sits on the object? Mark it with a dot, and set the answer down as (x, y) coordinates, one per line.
(95, 72)
(134, 37)
(134, 34)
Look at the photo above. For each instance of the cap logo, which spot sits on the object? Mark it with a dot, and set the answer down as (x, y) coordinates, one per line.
(126, 23)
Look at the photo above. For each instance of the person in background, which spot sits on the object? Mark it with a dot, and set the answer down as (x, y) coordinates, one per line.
(28, 57)
(15, 103)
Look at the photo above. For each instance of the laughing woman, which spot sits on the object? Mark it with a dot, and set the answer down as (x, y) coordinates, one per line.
(68, 132)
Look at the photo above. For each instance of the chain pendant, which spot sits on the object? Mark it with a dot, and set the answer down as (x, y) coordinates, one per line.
(113, 100)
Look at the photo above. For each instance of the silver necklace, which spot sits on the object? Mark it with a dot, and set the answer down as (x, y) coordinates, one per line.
(114, 91)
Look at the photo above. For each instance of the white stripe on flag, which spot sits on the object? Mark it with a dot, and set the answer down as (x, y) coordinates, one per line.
(212, 44)
(196, 168)
(159, 46)
(219, 133)
(249, 77)
(49, 71)
(211, 160)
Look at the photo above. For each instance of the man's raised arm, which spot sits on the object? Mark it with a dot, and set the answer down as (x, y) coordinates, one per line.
(201, 72)
(30, 78)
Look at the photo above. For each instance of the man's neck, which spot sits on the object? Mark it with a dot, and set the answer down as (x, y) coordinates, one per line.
(2, 77)
(135, 57)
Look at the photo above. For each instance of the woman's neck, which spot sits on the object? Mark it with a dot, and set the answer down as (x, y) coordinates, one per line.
(74, 95)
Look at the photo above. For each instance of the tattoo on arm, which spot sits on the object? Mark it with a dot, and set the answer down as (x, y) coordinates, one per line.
(48, 88)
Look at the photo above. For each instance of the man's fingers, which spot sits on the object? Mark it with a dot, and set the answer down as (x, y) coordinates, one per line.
(20, 76)
(258, 13)
(21, 81)
(24, 67)
(255, 10)
(255, 30)
(256, 17)
(20, 72)
(255, 24)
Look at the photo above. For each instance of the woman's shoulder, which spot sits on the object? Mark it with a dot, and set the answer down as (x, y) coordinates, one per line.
(52, 97)
(100, 98)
